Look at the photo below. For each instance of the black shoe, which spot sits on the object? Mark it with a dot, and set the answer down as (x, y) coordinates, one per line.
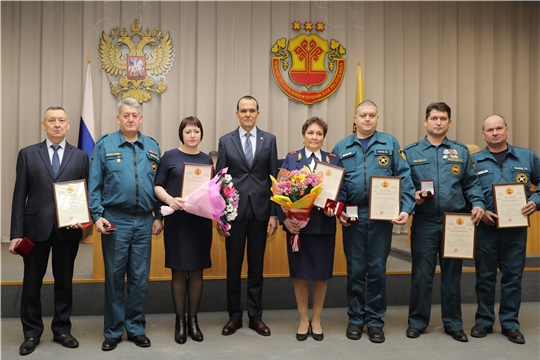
(180, 330)
(66, 340)
(110, 343)
(28, 346)
(376, 335)
(140, 340)
(514, 335)
(413, 333)
(302, 337)
(354, 332)
(480, 331)
(317, 337)
(457, 335)
(193, 329)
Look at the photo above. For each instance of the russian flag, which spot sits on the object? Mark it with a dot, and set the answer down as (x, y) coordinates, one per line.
(86, 129)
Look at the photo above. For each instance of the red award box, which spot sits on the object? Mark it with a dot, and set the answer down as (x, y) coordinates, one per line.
(24, 247)
(334, 205)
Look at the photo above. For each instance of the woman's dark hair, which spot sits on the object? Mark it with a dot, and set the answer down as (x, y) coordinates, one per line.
(190, 120)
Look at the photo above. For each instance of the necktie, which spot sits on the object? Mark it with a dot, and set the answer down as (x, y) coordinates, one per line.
(55, 159)
(248, 149)
(312, 160)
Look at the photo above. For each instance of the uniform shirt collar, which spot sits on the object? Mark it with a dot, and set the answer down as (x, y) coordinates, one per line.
(49, 143)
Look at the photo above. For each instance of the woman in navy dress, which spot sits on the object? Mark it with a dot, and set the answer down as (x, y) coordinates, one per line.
(188, 237)
(315, 260)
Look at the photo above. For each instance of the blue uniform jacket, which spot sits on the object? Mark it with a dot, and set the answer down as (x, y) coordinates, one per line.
(382, 158)
(319, 223)
(122, 175)
(450, 167)
(520, 165)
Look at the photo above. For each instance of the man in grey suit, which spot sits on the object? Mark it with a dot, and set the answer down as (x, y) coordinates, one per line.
(251, 156)
(33, 216)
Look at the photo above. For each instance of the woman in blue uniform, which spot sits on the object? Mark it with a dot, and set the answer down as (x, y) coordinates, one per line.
(315, 260)
(187, 237)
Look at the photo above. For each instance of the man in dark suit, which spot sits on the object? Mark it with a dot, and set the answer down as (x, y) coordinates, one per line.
(251, 156)
(33, 216)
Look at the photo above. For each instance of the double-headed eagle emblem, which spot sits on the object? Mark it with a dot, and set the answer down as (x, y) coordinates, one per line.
(138, 71)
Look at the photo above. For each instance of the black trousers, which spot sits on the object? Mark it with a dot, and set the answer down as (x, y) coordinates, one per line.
(35, 267)
(253, 232)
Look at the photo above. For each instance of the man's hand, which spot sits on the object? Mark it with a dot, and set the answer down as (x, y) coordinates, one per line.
(490, 218)
(13, 244)
(343, 217)
(401, 219)
(417, 197)
(220, 230)
(157, 226)
(528, 208)
(101, 226)
(272, 226)
(477, 214)
(75, 226)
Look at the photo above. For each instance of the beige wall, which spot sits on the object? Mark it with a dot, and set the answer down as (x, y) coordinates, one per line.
(479, 57)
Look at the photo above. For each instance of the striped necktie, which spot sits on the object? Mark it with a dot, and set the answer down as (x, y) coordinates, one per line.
(248, 149)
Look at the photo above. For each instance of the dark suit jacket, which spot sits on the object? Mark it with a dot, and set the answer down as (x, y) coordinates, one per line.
(254, 180)
(319, 223)
(33, 213)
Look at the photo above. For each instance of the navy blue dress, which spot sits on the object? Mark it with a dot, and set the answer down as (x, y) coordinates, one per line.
(315, 260)
(188, 237)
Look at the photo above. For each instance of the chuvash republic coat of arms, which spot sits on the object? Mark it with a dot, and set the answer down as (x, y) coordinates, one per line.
(138, 70)
(311, 60)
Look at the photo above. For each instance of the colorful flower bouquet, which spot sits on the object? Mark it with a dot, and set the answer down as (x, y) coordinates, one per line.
(216, 199)
(296, 191)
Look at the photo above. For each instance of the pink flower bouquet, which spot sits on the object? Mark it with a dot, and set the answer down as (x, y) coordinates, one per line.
(217, 199)
(296, 192)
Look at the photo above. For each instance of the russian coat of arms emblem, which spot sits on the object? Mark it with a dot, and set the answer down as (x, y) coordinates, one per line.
(308, 68)
(136, 70)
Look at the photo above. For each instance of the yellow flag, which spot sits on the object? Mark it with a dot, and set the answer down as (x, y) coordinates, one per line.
(359, 91)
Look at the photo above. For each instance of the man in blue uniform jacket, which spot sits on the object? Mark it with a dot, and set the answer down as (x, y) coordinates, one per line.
(503, 248)
(126, 213)
(448, 164)
(367, 243)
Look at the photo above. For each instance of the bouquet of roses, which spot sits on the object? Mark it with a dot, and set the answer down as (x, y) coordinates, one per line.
(296, 191)
(217, 199)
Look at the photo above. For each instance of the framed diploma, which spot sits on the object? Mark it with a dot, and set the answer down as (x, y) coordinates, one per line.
(509, 199)
(71, 203)
(195, 175)
(385, 197)
(459, 234)
(333, 177)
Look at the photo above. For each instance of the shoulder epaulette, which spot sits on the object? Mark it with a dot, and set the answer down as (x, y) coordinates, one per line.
(332, 155)
(411, 145)
(293, 152)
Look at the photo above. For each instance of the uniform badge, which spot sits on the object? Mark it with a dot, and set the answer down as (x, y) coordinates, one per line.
(118, 158)
(383, 160)
(473, 164)
(402, 154)
(522, 178)
(456, 169)
(299, 157)
(327, 159)
(154, 166)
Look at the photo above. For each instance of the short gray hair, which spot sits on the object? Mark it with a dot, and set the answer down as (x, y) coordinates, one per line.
(129, 102)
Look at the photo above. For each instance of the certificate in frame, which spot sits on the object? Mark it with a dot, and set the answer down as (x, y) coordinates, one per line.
(385, 197)
(71, 203)
(459, 236)
(193, 176)
(508, 200)
(333, 177)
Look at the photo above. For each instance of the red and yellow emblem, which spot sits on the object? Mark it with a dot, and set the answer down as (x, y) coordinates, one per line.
(509, 191)
(310, 61)
(328, 172)
(197, 171)
(385, 184)
(459, 221)
(456, 169)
